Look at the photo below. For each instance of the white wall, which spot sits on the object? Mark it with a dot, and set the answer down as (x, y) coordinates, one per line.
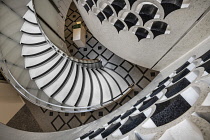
(54, 19)
(148, 51)
(185, 130)
(195, 37)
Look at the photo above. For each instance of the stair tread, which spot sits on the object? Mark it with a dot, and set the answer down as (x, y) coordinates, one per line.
(47, 78)
(87, 90)
(30, 50)
(112, 83)
(106, 91)
(32, 39)
(76, 92)
(31, 61)
(119, 79)
(39, 70)
(96, 98)
(30, 5)
(30, 28)
(64, 91)
(55, 85)
(30, 16)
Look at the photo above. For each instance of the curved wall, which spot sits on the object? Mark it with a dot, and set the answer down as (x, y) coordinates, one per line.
(53, 20)
(148, 52)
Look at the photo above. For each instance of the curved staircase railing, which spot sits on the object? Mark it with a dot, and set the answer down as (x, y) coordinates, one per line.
(18, 75)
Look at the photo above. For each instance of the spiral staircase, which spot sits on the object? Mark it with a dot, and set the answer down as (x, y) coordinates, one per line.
(174, 105)
(71, 83)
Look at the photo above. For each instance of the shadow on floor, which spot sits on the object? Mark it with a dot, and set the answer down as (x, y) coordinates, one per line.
(22, 119)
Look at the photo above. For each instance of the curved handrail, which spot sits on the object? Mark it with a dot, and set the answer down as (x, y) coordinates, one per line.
(12, 80)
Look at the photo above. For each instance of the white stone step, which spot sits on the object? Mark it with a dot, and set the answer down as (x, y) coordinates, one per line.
(96, 98)
(30, 16)
(87, 90)
(30, 28)
(118, 78)
(60, 96)
(106, 91)
(53, 87)
(30, 5)
(30, 50)
(31, 61)
(47, 78)
(34, 72)
(77, 89)
(112, 83)
(28, 39)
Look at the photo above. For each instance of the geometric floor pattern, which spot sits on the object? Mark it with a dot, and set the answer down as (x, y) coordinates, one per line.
(51, 121)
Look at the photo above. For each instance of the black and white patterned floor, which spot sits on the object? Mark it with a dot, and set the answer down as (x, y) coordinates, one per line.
(141, 77)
